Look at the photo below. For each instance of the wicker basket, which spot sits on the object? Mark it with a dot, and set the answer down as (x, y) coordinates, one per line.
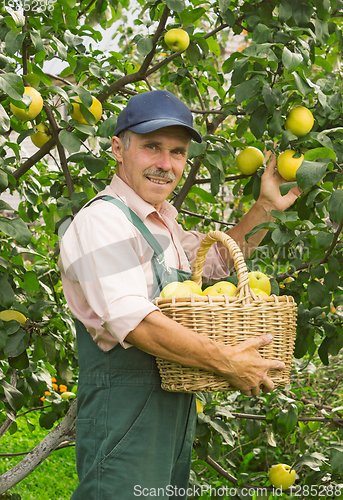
(229, 320)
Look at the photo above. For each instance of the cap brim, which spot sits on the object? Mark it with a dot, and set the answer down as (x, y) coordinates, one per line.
(152, 125)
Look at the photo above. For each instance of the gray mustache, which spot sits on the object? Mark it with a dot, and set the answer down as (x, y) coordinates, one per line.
(158, 172)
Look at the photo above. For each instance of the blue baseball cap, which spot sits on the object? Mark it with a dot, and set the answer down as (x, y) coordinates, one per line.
(150, 111)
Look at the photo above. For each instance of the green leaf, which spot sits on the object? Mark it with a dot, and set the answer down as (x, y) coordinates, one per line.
(261, 34)
(323, 350)
(20, 362)
(302, 86)
(318, 294)
(285, 11)
(31, 282)
(93, 164)
(193, 53)
(47, 420)
(37, 40)
(323, 239)
(274, 125)
(6, 293)
(286, 421)
(18, 18)
(269, 97)
(204, 195)
(322, 31)
(16, 343)
(107, 127)
(14, 397)
(177, 5)
(291, 60)
(72, 40)
(4, 122)
(335, 206)
(336, 461)
(49, 347)
(196, 149)
(312, 460)
(281, 237)
(14, 42)
(310, 173)
(70, 141)
(223, 429)
(12, 85)
(284, 216)
(17, 229)
(61, 49)
(3, 180)
(302, 14)
(258, 121)
(247, 90)
(213, 46)
(315, 153)
(253, 428)
(263, 225)
(144, 46)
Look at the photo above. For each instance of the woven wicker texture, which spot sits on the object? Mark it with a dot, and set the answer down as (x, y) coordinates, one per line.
(229, 320)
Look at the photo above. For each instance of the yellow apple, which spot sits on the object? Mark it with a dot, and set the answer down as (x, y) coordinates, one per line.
(281, 476)
(225, 288)
(10, 314)
(196, 289)
(176, 288)
(287, 165)
(299, 121)
(177, 39)
(210, 290)
(261, 293)
(200, 406)
(42, 136)
(259, 280)
(67, 395)
(95, 109)
(34, 109)
(249, 160)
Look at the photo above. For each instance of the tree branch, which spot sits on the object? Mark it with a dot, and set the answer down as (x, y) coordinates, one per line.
(142, 72)
(190, 181)
(61, 151)
(62, 432)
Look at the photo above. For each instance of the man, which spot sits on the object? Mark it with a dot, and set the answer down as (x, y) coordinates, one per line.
(132, 438)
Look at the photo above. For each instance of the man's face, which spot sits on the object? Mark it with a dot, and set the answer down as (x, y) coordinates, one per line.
(154, 162)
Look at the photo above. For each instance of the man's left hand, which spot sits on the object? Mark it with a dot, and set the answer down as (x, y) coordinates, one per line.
(270, 195)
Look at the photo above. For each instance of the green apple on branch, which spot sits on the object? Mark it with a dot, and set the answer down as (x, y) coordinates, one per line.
(177, 39)
(282, 476)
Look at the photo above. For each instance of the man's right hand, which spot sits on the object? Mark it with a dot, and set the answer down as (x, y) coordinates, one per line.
(247, 370)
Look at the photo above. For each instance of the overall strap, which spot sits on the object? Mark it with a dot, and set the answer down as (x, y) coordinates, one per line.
(137, 222)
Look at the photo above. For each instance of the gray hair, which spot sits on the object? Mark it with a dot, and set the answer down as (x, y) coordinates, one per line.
(125, 137)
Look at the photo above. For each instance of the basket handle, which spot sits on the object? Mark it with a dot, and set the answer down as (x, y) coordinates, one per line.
(243, 288)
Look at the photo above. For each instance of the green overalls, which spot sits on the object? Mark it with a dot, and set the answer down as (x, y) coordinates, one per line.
(133, 439)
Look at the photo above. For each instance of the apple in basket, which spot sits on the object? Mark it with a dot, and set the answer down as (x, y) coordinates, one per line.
(220, 288)
(260, 281)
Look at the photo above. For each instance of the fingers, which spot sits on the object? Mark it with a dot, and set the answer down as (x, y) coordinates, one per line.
(272, 162)
(264, 339)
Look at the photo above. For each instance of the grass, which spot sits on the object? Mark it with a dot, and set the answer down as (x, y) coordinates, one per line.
(54, 479)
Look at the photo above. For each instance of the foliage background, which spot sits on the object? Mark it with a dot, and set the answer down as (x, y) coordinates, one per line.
(291, 55)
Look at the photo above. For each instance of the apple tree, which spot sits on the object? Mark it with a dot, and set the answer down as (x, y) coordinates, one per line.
(246, 66)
